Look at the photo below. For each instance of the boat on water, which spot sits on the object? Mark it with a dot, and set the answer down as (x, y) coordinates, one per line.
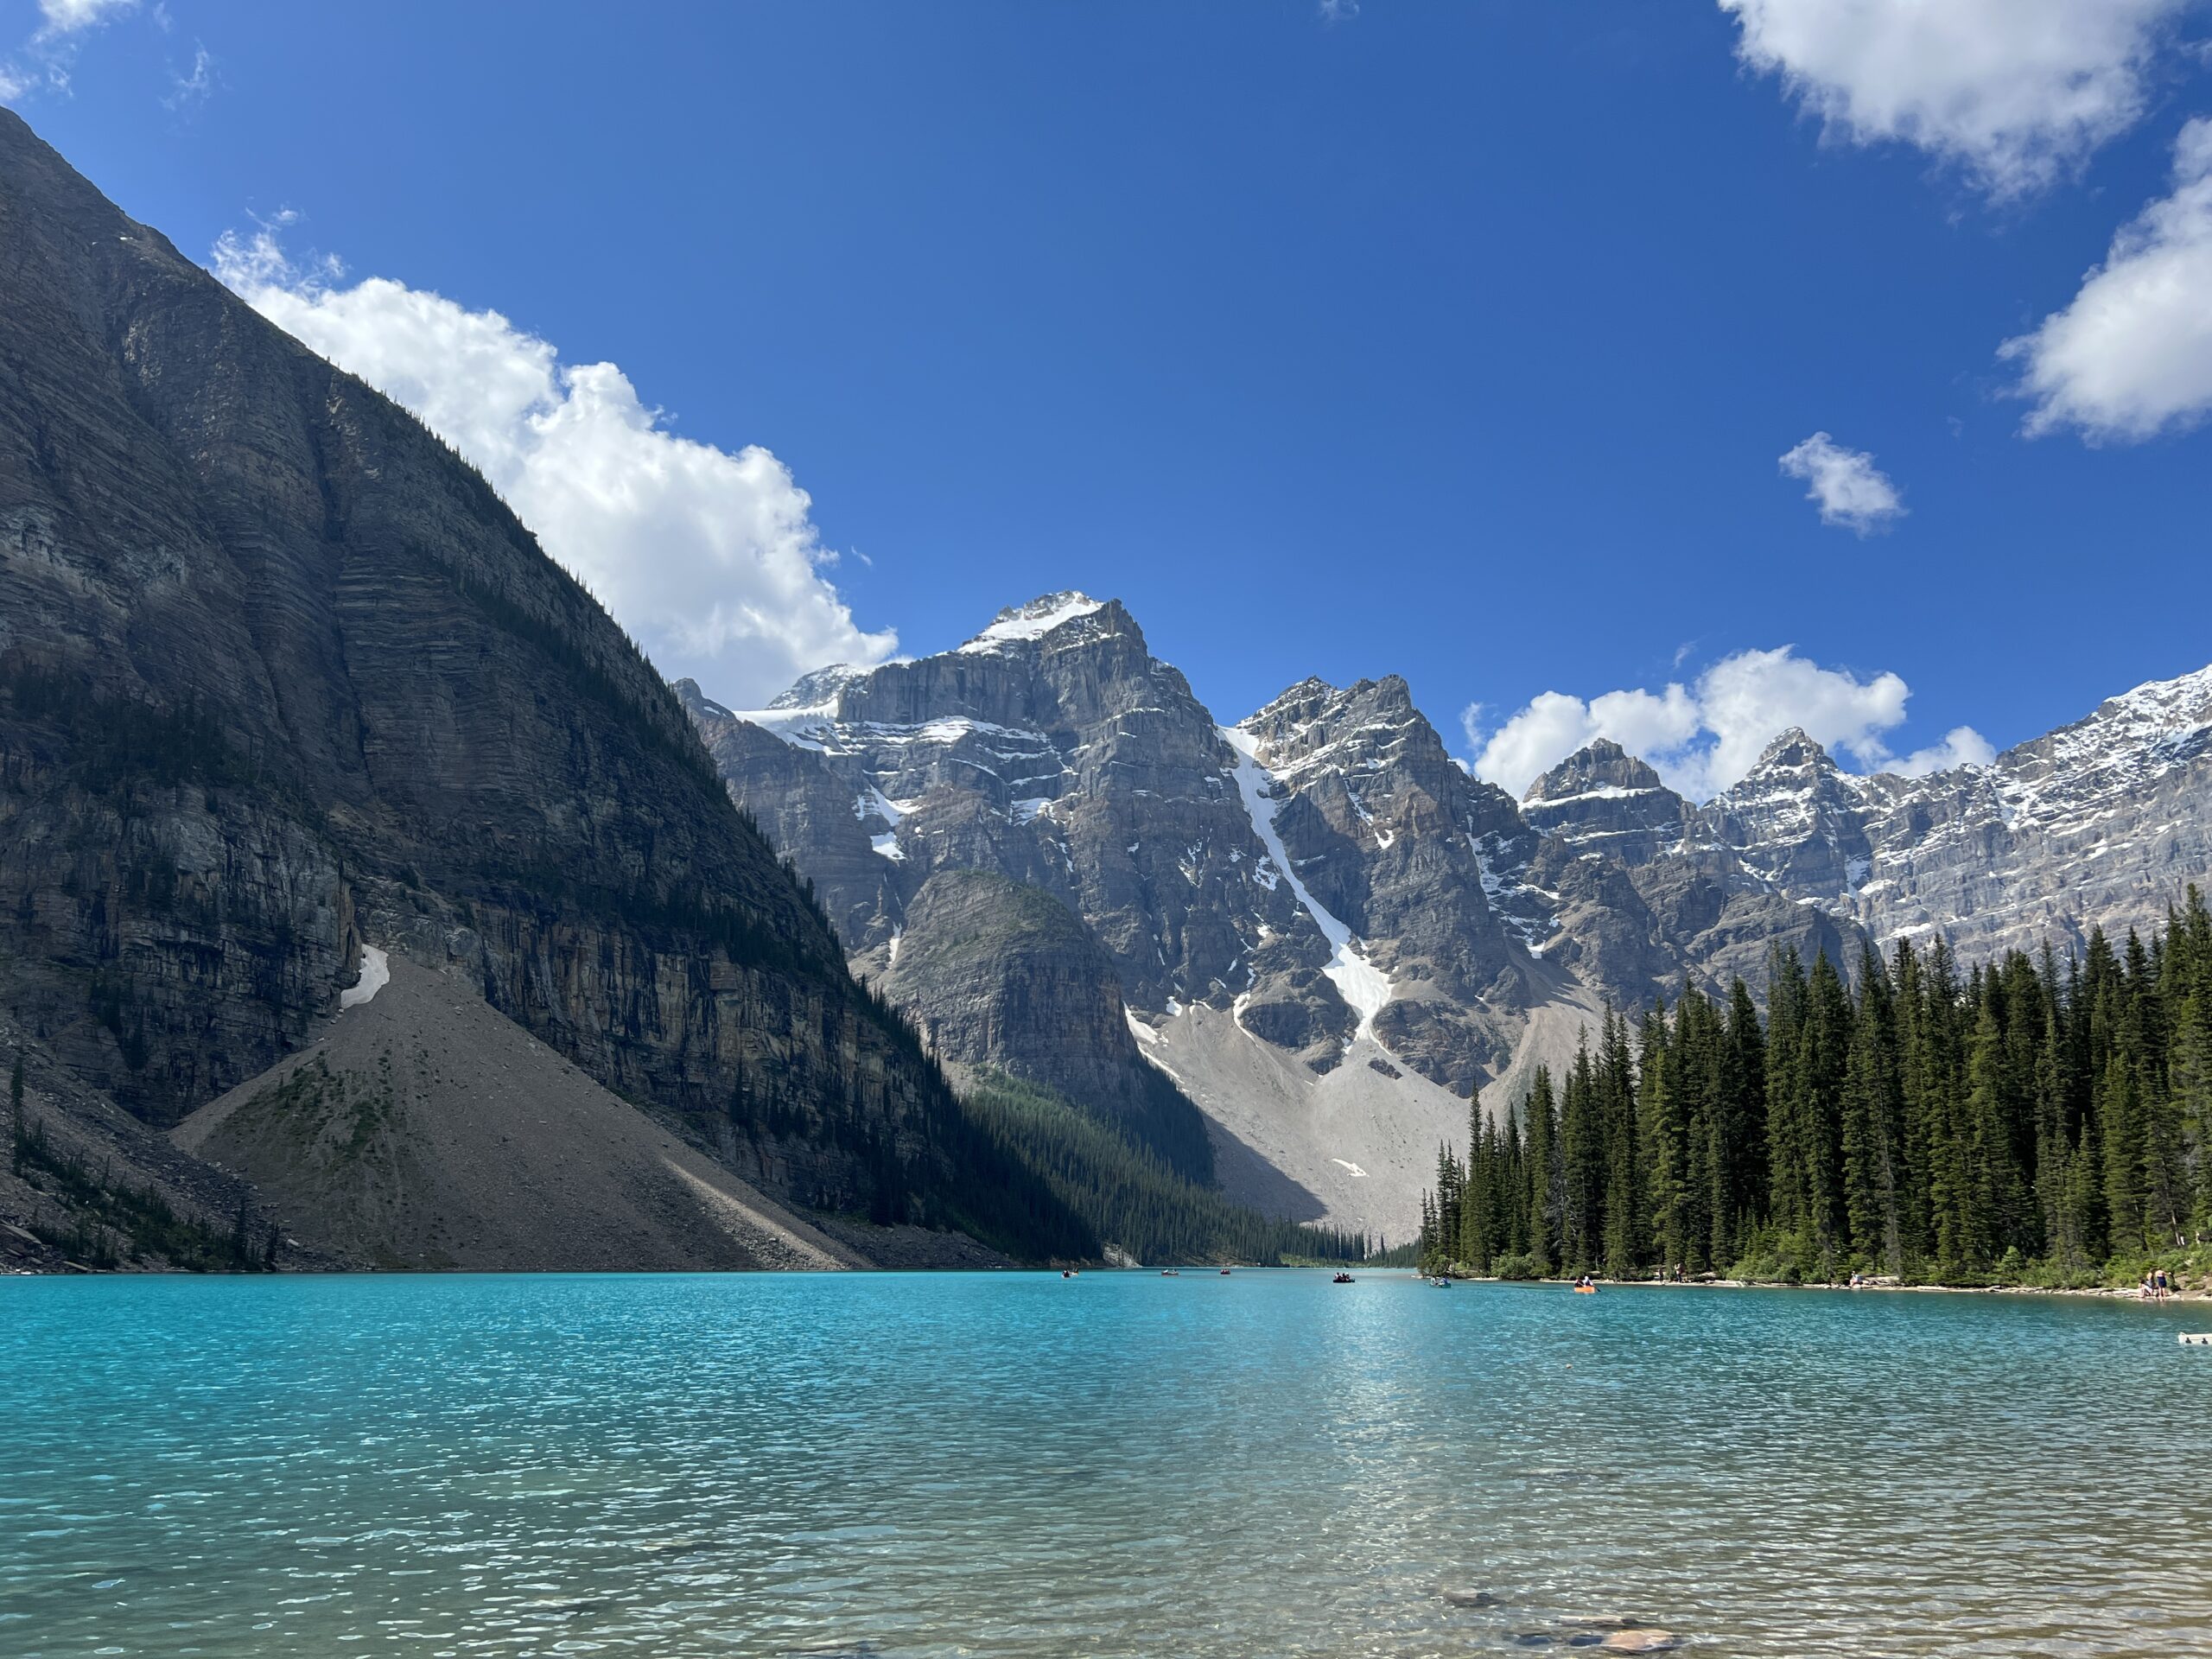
(1225, 1271)
(1170, 1273)
(1342, 1279)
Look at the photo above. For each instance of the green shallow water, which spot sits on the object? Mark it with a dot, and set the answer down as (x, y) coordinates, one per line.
(1119, 1463)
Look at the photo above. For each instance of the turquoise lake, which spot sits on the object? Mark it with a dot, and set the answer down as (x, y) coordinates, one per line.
(1119, 1463)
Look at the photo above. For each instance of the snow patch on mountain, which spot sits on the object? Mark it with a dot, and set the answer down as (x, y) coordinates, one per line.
(1033, 620)
(375, 973)
(1362, 984)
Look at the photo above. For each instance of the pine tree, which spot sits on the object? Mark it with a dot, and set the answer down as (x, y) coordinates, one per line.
(1740, 1182)
(1663, 1115)
(1872, 1124)
(1547, 1179)
(1478, 1203)
(1513, 1187)
(1582, 1155)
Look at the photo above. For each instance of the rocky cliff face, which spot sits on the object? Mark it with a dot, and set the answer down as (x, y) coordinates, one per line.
(1054, 749)
(1391, 839)
(1602, 799)
(1794, 821)
(1001, 977)
(279, 677)
(2100, 824)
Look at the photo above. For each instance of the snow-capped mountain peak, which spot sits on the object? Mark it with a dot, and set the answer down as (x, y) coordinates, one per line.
(1019, 623)
(818, 689)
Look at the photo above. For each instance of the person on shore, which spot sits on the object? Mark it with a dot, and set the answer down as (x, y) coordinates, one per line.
(2161, 1285)
(2144, 1292)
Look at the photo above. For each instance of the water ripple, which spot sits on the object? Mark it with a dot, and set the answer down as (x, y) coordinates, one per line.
(909, 1467)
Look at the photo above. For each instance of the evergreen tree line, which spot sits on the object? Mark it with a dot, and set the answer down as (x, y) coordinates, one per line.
(1131, 1197)
(1922, 1123)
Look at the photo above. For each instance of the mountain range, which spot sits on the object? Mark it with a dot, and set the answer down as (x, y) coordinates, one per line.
(1330, 934)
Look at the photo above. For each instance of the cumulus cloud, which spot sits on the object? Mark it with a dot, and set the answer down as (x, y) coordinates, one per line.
(2015, 93)
(1962, 746)
(1702, 738)
(1851, 490)
(2132, 356)
(710, 556)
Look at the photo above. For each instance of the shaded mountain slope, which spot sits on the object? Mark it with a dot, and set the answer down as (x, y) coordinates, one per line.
(280, 675)
(1002, 977)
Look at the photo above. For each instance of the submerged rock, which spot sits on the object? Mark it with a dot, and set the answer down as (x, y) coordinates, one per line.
(1640, 1641)
(1461, 1596)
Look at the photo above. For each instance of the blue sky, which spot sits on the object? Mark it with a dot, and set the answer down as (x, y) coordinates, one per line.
(1463, 342)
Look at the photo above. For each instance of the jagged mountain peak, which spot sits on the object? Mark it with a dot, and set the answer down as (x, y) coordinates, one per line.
(1020, 625)
(1793, 749)
(696, 703)
(1602, 798)
(1308, 694)
(1314, 696)
(1601, 765)
(818, 689)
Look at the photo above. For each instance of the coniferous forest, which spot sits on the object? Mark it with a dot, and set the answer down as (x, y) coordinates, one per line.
(1128, 1195)
(2037, 1119)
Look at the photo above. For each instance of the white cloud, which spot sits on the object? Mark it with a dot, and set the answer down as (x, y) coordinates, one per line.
(1704, 738)
(2132, 356)
(1748, 698)
(709, 557)
(194, 88)
(1962, 746)
(2016, 92)
(70, 16)
(1554, 725)
(51, 53)
(1851, 490)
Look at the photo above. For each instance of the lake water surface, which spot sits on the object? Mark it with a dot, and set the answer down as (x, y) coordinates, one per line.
(1119, 1463)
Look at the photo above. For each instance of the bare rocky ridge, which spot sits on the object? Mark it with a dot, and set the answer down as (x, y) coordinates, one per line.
(2101, 822)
